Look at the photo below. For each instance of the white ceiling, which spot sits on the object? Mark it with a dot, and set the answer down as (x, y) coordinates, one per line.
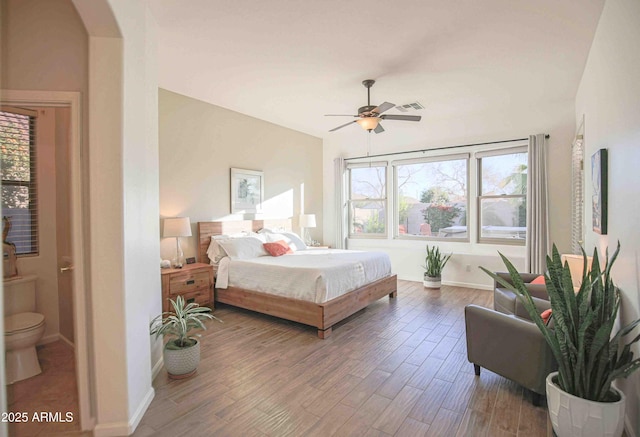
(290, 62)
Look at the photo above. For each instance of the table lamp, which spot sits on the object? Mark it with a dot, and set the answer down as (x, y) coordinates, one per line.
(177, 227)
(307, 221)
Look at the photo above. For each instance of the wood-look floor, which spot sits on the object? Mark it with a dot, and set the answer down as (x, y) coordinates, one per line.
(397, 368)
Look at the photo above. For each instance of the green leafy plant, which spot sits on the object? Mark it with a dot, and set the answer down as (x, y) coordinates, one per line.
(435, 262)
(180, 322)
(589, 357)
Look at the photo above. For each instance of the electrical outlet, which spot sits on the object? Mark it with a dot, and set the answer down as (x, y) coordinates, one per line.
(468, 267)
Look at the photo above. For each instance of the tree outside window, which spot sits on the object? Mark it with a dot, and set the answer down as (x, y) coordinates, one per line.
(503, 197)
(432, 198)
(17, 165)
(367, 200)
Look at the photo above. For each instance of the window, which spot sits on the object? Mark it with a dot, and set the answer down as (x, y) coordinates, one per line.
(18, 167)
(432, 197)
(502, 203)
(367, 200)
(577, 200)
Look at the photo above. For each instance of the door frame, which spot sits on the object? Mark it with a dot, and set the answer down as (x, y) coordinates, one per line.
(81, 313)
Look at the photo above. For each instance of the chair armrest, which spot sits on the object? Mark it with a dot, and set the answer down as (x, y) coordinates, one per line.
(541, 305)
(538, 291)
(526, 277)
(509, 346)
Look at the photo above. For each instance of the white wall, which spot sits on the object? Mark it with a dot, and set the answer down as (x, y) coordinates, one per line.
(123, 166)
(200, 142)
(140, 171)
(124, 212)
(517, 121)
(609, 99)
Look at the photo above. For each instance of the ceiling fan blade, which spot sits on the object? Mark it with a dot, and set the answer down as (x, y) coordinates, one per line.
(401, 117)
(340, 115)
(340, 127)
(384, 107)
(379, 129)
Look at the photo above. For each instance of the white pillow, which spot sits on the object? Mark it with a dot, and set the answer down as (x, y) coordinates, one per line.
(290, 238)
(243, 248)
(297, 241)
(278, 230)
(215, 252)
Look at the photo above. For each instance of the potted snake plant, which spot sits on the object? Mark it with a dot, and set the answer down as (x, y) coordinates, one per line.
(181, 353)
(434, 264)
(581, 399)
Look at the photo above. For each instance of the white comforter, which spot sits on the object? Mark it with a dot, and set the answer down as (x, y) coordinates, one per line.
(315, 275)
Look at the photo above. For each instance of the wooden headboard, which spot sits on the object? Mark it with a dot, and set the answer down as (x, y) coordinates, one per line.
(207, 229)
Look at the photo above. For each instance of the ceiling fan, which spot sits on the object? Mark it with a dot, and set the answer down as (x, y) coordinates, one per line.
(369, 116)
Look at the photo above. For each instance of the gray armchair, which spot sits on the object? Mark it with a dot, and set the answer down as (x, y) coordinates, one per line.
(504, 300)
(510, 345)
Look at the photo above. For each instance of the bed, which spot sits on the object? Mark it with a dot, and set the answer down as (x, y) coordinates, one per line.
(324, 314)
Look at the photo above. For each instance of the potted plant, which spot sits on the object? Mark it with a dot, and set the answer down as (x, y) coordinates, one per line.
(181, 354)
(580, 397)
(434, 263)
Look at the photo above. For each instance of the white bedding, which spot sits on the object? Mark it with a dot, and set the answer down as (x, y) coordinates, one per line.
(314, 275)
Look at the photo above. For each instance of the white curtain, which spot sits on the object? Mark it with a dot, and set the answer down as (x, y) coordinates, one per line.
(537, 206)
(340, 219)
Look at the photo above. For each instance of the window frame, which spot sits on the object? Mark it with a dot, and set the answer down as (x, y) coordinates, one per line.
(350, 166)
(487, 154)
(32, 184)
(396, 197)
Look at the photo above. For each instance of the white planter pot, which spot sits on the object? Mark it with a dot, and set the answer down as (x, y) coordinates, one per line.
(432, 281)
(572, 416)
(182, 363)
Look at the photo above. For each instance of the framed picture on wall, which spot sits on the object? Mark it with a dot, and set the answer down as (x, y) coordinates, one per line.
(599, 166)
(247, 191)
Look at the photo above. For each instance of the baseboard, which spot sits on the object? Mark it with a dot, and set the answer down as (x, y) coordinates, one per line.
(467, 285)
(142, 408)
(157, 368)
(49, 339)
(125, 428)
(66, 340)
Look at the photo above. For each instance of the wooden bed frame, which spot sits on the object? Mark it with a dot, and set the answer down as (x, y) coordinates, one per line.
(323, 315)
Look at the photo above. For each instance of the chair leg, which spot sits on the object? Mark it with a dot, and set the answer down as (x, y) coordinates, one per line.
(476, 369)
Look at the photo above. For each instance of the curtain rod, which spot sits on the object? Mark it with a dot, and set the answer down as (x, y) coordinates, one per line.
(441, 148)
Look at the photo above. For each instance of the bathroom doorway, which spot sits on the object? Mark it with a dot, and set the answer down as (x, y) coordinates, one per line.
(66, 308)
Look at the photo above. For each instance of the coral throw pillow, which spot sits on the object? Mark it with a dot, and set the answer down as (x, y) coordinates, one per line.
(546, 315)
(538, 280)
(277, 248)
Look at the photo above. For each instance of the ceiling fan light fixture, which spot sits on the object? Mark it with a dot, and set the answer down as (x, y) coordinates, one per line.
(368, 123)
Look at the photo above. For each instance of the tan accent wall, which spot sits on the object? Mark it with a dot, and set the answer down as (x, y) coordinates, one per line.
(200, 142)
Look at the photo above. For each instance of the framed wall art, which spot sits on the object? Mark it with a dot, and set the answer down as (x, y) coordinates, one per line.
(599, 164)
(247, 191)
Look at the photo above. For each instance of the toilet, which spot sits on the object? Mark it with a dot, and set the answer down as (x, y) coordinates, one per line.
(23, 328)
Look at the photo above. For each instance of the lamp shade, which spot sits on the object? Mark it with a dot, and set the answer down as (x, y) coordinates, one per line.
(368, 123)
(177, 227)
(307, 220)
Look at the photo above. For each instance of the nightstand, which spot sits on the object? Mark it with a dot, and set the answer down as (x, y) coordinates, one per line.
(194, 282)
